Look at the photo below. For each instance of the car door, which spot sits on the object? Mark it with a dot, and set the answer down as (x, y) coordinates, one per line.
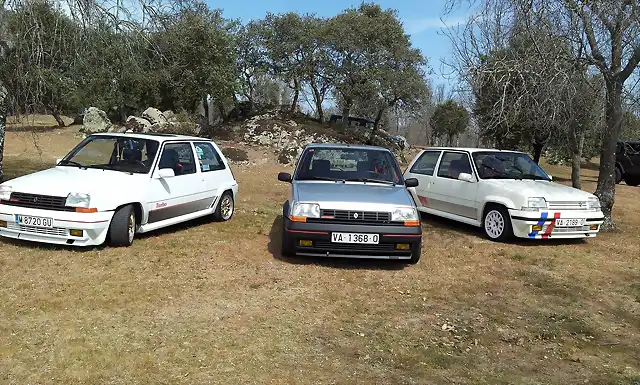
(450, 195)
(423, 169)
(214, 171)
(182, 194)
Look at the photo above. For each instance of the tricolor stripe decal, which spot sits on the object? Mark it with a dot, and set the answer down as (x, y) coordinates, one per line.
(547, 233)
(541, 221)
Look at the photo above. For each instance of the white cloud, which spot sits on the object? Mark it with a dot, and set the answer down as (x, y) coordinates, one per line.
(415, 27)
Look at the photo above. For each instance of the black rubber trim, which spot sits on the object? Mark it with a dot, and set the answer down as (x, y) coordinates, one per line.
(551, 219)
(392, 230)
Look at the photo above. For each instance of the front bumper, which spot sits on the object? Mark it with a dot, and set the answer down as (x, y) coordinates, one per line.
(94, 226)
(320, 236)
(544, 224)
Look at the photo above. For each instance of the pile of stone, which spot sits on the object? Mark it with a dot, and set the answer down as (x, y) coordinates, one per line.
(151, 120)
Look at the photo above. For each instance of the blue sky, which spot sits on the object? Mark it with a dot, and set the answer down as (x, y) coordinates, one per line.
(421, 18)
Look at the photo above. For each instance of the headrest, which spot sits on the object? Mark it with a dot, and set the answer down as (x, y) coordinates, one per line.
(321, 165)
(132, 155)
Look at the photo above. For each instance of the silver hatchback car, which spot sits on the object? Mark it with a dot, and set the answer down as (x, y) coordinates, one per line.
(350, 201)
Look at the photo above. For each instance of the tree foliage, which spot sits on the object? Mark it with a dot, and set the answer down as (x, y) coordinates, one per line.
(450, 119)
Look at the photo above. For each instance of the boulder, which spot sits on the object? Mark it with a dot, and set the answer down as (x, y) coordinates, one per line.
(154, 116)
(169, 115)
(95, 120)
(137, 124)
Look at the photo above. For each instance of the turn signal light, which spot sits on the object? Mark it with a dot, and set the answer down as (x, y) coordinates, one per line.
(84, 210)
(593, 227)
(412, 223)
(536, 228)
(3, 224)
(402, 246)
(306, 243)
(298, 219)
(76, 233)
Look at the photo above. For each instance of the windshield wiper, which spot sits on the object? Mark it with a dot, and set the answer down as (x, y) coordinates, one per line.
(534, 177)
(72, 163)
(371, 180)
(313, 177)
(111, 168)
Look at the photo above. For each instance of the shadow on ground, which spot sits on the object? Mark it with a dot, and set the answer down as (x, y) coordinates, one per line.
(275, 250)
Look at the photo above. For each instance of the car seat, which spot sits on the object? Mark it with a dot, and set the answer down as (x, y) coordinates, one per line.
(132, 155)
(321, 167)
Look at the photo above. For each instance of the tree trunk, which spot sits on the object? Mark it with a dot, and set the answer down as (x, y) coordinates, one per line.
(346, 110)
(296, 95)
(376, 123)
(606, 189)
(56, 116)
(222, 111)
(537, 151)
(3, 121)
(205, 107)
(317, 98)
(576, 138)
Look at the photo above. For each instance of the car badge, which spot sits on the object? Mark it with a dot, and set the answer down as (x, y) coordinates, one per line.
(355, 215)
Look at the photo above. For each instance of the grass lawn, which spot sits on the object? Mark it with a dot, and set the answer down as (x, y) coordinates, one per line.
(216, 303)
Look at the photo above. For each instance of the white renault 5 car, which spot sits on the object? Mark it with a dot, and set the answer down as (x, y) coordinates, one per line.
(504, 192)
(112, 186)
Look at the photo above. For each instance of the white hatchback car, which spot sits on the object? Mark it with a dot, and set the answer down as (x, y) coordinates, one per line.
(112, 186)
(504, 192)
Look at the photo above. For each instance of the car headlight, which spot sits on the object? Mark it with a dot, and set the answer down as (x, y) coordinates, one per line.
(593, 203)
(535, 204)
(404, 214)
(78, 200)
(305, 210)
(5, 192)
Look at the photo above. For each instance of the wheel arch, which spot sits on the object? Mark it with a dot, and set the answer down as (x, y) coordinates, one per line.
(138, 210)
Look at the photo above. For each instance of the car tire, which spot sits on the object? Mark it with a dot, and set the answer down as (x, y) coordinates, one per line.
(416, 251)
(632, 181)
(122, 229)
(226, 207)
(286, 246)
(496, 223)
(618, 175)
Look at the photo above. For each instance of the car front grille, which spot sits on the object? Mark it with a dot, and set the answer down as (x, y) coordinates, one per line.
(568, 205)
(38, 230)
(351, 217)
(35, 201)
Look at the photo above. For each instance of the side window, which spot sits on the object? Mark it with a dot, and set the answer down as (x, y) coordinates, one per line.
(179, 157)
(426, 165)
(453, 164)
(208, 157)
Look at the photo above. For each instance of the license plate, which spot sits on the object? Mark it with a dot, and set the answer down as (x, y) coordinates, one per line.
(370, 239)
(565, 222)
(28, 220)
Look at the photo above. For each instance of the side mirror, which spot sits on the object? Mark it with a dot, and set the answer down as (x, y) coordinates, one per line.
(58, 161)
(284, 177)
(550, 177)
(411, 182)
(164, 173)
(466, 177)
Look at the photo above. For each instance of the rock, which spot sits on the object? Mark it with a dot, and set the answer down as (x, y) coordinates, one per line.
(137, 124)
(169, 115)
(154, 116)
(95, 120)
(116, 128)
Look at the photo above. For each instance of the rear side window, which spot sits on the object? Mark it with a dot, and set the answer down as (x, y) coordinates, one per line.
(208, 157)
(426, 165)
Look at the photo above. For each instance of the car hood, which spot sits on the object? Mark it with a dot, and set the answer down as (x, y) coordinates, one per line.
(351, 194)
(62, 180)
(551, 191)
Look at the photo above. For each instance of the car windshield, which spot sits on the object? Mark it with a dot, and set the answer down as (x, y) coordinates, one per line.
(507, 165)
(349, 164)
(118, 153)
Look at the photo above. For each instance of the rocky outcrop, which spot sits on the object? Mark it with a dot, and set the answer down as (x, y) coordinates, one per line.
(95, 120)
(137, 124)
(155, 117)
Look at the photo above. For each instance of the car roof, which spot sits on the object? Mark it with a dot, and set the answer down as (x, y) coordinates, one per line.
(346, 145)
(154, 136)
(468, 149)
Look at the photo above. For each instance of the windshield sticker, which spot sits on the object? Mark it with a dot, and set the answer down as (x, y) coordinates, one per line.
(199, 152)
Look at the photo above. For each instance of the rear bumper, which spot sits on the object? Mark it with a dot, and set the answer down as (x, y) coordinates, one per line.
(94, 226)
(543, 225)
(322, 246)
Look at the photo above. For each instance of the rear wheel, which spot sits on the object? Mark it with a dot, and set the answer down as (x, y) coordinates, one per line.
(632, 180)
(225, 208)
(122, 229)
(496, 223)
(618, 175)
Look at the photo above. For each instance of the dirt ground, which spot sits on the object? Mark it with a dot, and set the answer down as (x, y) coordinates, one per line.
(216, 303)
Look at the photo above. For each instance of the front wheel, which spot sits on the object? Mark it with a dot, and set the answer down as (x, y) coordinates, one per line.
(225, 208)
(416, 251)
(122, 229)
(497, 224)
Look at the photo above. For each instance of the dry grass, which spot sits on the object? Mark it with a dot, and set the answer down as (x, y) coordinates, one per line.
(215, 303)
